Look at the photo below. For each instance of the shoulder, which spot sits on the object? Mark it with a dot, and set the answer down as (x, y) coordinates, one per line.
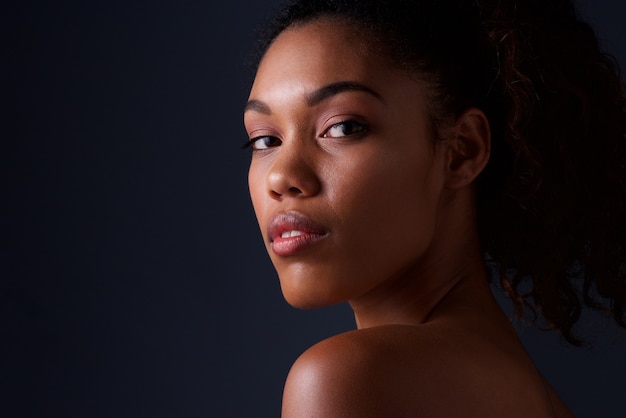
(365, 373)
(410, 371)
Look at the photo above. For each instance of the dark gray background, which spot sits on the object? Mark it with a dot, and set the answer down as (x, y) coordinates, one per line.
(134, 282)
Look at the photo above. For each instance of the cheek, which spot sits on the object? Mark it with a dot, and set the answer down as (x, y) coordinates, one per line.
(388, 206)
(378, 187)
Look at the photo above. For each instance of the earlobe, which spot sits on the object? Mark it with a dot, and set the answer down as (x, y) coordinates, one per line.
(468, 148)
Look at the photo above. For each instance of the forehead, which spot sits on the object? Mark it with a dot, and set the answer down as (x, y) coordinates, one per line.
(322, 51)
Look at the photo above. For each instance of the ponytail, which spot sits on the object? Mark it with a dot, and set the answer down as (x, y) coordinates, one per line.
(558, 221)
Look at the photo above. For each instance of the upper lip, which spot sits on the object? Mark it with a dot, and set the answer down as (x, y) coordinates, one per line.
(292, 221)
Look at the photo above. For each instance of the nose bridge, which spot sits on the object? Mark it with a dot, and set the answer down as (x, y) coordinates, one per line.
(294, 172)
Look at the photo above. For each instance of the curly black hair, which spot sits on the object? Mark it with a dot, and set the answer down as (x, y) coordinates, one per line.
(552, 201)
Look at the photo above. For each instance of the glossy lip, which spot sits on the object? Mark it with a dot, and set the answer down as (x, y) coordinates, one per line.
(310, 233)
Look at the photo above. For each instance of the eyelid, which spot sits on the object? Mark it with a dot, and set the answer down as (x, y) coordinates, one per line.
(257, 132)
(361, 126)
(252, 141)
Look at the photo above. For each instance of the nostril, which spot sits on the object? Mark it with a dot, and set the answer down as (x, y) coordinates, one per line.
(290, 192)
(294, 191)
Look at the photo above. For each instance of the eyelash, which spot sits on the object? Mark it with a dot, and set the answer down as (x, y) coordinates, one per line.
(250, 143)
(358, 128)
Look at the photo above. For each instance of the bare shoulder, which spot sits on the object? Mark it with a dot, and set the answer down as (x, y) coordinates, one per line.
(410, 371)
(345, 375)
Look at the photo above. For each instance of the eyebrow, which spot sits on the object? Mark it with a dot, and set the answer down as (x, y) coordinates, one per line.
(257, 106)
(333, 89)
(317, 96)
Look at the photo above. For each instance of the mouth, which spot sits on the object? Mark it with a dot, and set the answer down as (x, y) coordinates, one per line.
(292, 232)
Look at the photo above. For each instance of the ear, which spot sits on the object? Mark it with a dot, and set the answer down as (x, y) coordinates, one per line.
(468, 146)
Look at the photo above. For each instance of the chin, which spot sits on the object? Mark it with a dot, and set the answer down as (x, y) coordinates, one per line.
(302, 298)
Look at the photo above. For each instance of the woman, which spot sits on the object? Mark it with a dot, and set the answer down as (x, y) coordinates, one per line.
(406, 151)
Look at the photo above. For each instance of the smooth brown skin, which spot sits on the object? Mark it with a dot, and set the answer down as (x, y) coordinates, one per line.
(402, 246)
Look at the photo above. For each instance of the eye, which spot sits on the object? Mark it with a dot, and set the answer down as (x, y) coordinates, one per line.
(344, 128)
(263, 142)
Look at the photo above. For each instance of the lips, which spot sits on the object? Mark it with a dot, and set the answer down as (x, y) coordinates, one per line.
(292, 232)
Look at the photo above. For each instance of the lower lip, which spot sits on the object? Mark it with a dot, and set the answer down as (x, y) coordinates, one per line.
(293, 245)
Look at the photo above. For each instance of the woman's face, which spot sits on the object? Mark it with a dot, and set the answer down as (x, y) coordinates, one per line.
(344, 179)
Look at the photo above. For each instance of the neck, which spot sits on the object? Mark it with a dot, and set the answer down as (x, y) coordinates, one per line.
(452, 269)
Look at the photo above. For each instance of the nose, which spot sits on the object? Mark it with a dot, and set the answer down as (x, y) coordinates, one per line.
(293, 173)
